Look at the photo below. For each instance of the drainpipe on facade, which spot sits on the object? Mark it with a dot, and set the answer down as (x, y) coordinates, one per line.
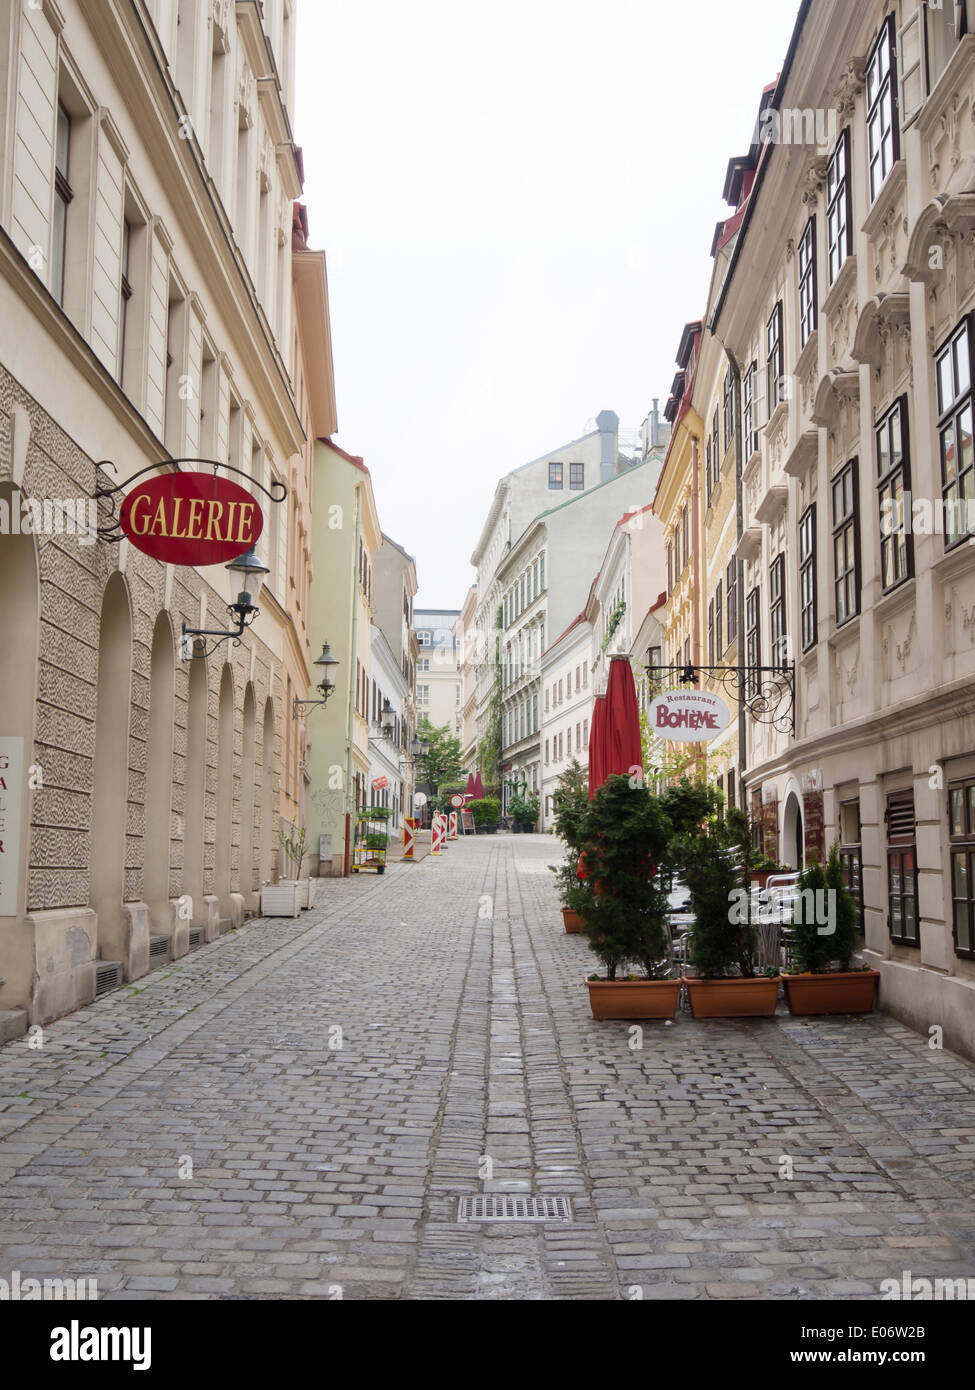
(739, 585)
(696, 578)
(352, 680)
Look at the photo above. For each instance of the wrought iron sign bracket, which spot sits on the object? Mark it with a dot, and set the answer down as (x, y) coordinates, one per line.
(111, 530)
(768, 693)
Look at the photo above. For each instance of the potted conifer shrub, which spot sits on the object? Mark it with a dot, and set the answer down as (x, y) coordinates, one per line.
(485, 813)
(727, 982)
(625, 914)
(824, 939)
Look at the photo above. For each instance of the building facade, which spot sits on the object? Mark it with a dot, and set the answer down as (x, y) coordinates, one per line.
(848, 298)
(465, 632)
(148, 301)
(438, 678)
(567, 695)
(346, 539)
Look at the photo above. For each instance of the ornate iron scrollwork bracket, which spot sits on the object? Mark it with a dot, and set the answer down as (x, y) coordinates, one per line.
(768, 693)
(112, 495)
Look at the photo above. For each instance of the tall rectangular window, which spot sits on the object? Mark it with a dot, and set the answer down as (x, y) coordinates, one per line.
(577, 475)
(954, 363)
(902, 869)
(62, 197)
(731, 581)
(718, 622)
(775, 367)
(839, 206)
(670, 566)
(808, 307)
(777, 610)
(707, 471)
(753, 640)
(716, 441)
(683, 535)
(711, 660)
(961, 828)
(893, 484)
(749, 412)
(846, 544)
(883, 136)
(125, 293)
(729, 409)
(555, 477)
(808, 618)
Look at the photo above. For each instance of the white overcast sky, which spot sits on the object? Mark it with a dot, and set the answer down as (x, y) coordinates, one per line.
(516, 202)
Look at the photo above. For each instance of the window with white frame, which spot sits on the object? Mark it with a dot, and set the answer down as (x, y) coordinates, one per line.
(883, 135)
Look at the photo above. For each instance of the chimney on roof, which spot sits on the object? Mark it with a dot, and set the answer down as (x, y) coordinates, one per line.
(608, 423)
(655, 427)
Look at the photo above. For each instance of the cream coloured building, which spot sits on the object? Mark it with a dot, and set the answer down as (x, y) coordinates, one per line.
(847, 298)
(147, 292)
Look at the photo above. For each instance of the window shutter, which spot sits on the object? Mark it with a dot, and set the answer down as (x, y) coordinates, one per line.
(900, 818)
(911, 66)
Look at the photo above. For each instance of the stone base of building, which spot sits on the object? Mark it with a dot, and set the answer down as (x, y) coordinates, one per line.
(13, 1024)
(133, 942)
(179, 929)
(926, 999)
(209, 916)
(63, 945)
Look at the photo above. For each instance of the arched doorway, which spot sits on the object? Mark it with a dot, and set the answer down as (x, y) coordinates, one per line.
(110, 783)
(248, 838)
(223, 830)
(267, 794)
(195, 787)
(792, 836)
(19, 629)
(159, 778)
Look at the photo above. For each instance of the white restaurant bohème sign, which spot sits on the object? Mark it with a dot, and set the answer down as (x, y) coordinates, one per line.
(688, 716)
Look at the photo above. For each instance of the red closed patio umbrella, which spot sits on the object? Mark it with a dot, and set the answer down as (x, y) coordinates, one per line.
(597, 751)
(478, 787)
(623, 747)
(469, 789)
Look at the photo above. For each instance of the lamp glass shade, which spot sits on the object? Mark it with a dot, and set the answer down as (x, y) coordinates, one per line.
(247, 576)
(326, 666)
(387, 717)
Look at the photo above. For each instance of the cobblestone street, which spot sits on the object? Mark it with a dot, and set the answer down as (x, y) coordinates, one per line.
(315, 1166)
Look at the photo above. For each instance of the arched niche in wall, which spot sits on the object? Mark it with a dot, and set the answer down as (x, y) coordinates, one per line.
(223, 831)
(159, 776)
(110, 779)
(249, 842)
(267, 793)
(195, 787)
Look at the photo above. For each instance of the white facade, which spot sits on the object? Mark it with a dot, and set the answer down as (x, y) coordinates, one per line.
(386, 750)
(566, 713)
(438, 679)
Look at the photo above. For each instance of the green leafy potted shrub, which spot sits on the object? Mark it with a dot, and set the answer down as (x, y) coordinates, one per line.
(625, 914)
(485, 813)
(524, 813)
(824, 939)
(723, 953)
(570, 806)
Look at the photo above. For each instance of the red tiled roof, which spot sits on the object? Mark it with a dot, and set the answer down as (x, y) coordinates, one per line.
(351, 458)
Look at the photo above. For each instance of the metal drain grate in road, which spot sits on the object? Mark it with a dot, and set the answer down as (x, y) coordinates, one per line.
(496, 1208)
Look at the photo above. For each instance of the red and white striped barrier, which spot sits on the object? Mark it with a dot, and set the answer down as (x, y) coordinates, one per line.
(452, 830)
(409, 837)
(437, 836)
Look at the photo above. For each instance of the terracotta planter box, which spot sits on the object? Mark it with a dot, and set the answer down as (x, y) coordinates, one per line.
(633, 998)
(572, 920)
(841, 992)
(734, 998)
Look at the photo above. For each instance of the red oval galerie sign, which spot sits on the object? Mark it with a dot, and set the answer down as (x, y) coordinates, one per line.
(191, 519)
(688, 716)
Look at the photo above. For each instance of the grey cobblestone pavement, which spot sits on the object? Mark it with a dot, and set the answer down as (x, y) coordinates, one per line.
(317, 1168)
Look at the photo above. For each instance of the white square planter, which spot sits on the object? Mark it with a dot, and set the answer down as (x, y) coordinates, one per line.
(311, 884)
(284, 899)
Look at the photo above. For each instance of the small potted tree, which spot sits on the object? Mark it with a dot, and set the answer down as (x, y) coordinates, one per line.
(524, 813)
(289, 895)
(728, 982)
(824, 939)
(625, 914)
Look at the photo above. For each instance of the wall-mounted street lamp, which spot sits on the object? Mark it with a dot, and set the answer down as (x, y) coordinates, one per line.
(419, 748)
(386, 723)
(247, 577)
(326, 664)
